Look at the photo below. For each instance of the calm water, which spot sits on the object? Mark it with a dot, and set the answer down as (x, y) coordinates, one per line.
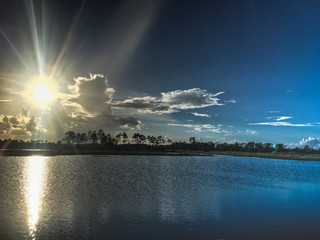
(152, 197)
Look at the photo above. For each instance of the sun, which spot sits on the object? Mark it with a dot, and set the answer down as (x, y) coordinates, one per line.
(42, 93)
(41, 90)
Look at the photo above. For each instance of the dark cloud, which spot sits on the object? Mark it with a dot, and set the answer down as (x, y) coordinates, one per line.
(129, 123)
(5, 125)
(14, 120)
(19, 132)
(31, 125)
(94, 96)
(91, 93)
(5, 119)
(19, 126)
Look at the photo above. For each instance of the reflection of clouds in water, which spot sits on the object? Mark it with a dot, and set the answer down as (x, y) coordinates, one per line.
(35, 173)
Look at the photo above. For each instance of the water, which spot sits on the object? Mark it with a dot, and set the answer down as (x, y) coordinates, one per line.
(154, 197)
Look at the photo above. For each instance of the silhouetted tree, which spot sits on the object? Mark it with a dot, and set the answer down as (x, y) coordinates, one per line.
(160, 140)
(139, 138)
(151, 140)
(192, 140)
(250, 146)
(93, 137)
(106, 139)
(100, 134)
(280, 147)
(69, 137)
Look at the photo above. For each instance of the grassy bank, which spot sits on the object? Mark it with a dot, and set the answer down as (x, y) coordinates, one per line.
(275, 155)
(17, 152)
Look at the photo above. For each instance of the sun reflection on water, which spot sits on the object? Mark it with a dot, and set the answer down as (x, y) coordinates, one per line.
(35, 171)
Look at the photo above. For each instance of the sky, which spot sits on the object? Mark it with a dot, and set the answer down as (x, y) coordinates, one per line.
(217, 70)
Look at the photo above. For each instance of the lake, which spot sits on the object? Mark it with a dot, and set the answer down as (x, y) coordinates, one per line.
(158, 197)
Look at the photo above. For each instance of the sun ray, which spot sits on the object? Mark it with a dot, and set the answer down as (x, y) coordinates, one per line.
(35, 36)
(14, 48)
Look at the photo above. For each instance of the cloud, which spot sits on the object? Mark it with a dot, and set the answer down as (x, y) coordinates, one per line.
(31, 125)
(171, 102)
(105, 121)
(4, 125)
(283, 118)
(310, 141)
(90, 104)
(19, 125)
(201, 114)
(145, 105)
(200, 127)
(20, 132)
(190, 99)
(231, 101)
(91, 93)
(14, 120)
(130, 123)
(273, 111)
(283, 124)
(253, 132)
(279, 118)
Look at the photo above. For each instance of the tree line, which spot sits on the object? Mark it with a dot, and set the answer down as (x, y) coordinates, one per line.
(98, 140)
(99, 137)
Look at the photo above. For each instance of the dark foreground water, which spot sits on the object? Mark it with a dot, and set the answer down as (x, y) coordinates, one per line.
(152, 197)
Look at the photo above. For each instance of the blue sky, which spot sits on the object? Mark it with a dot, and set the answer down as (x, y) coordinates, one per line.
(216, 70)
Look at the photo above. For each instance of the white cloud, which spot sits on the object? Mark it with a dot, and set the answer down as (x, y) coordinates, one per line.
(253, 132)
(171, 102)
(201, 114)
(283, 124)
(273, 111)
(190, 99)
(231, 101)
(145, 105)
(200, 127)
(310, 141)
(281, 118)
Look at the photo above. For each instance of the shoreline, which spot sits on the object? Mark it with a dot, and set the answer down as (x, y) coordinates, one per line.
(280, 156)
(273, 155)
